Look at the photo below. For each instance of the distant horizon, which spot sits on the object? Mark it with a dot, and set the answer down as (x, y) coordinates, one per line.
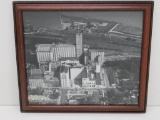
(49, 19)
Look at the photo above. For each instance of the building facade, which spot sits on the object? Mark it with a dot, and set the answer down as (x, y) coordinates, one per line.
(79, 44)
(43, 52)
(53, 52)
(64, 77)
(39, 98)
(97, 55)
(36, 82)
(62, 51)
(69, 60)
(87, 83)
(36, 72)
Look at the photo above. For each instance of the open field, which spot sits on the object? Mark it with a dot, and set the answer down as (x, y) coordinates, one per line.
(111, 45)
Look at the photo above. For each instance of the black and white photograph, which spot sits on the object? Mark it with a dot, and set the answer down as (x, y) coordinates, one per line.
(83, 57)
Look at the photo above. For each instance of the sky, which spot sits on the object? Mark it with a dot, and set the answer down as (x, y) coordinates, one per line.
(51, 19)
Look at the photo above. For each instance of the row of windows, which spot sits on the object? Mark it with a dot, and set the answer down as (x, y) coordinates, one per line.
(88, 83)
(89, 86)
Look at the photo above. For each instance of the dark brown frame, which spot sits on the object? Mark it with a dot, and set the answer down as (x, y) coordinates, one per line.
(146, 6)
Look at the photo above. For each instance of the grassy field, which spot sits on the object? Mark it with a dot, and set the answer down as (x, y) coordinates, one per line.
(93, 40)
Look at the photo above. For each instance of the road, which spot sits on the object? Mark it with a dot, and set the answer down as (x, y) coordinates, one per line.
(106, 79)
(63, 96)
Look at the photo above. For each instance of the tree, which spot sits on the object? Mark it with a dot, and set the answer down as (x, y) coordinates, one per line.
(111, 93)
(82, 101)
(119, 97)
(72, 25)
(55, 95)
(126, 93)
(114, 96)
(104, 99)
(37, 91)
(89, 25)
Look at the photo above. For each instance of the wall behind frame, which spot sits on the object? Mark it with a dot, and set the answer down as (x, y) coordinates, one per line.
(8, 71)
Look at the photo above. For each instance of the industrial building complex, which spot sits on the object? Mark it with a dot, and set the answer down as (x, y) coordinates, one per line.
(73, 63)
(68, 67)
(77, 71)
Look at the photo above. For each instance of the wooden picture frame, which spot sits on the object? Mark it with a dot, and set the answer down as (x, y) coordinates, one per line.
(146, 7)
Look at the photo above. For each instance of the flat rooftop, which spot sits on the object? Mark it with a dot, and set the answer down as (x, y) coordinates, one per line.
(44, 47)
(69, 58)
(48, 47)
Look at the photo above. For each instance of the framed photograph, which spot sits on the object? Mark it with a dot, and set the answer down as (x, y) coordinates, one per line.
(83, 56)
